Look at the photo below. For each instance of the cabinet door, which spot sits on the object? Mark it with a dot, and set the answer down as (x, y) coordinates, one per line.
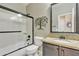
(50, 50)
(70, 52)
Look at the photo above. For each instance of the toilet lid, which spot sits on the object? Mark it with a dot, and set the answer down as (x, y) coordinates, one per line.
(31, 47)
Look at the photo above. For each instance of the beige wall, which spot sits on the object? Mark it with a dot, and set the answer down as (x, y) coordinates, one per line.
(38, 10)
(71, 36)
(42, 9)
(21, 7)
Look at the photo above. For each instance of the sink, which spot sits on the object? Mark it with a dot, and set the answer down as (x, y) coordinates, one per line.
(63, 40)
(66, 40)
(74, 41)
(58, 40)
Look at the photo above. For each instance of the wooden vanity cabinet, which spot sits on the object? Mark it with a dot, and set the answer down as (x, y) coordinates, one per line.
(50, 50)
(69, 52)
(53, 50)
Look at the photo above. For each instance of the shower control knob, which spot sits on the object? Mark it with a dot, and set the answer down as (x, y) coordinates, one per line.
(27, 39)
(29, 36)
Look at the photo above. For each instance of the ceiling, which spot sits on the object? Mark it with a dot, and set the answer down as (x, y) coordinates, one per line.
(21, 7)
(15, 4)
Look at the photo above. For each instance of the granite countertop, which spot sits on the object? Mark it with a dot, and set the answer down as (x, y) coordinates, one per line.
(74, 44)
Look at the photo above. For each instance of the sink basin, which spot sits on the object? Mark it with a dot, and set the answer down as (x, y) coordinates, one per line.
(63, 40)
(66, 40)
(73, 41)
(58, 40)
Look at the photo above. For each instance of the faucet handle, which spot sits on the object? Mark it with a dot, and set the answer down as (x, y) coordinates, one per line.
(62, 37)
(29, 36)
(27, 39)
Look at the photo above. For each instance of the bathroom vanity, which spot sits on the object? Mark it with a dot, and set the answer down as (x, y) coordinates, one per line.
(53, 50)
(57, 47)
(64, 18)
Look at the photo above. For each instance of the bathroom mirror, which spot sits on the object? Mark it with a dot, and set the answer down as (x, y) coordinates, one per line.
(63, 17)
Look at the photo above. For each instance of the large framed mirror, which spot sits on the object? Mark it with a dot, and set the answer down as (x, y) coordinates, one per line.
(63, 17)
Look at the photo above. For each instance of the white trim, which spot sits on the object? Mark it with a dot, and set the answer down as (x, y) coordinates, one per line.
(73, 21)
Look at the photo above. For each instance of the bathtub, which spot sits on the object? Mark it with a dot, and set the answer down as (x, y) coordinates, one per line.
(8, 49)
(21, 52)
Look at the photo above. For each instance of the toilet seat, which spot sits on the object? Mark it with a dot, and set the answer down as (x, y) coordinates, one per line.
(32, 49)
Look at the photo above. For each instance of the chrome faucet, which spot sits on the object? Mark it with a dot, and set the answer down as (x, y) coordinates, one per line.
(62, 37)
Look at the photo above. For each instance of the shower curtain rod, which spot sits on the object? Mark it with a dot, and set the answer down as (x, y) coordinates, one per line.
(6, 8)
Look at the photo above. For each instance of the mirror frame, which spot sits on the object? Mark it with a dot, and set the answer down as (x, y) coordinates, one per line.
(51, 18)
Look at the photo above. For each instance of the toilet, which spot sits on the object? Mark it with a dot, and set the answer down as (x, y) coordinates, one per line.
(37, 40)
(31, 50)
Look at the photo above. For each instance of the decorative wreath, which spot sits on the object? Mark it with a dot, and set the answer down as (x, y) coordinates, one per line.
(69, 24)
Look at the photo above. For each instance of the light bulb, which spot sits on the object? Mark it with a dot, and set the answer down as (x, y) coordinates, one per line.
(19, 15)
